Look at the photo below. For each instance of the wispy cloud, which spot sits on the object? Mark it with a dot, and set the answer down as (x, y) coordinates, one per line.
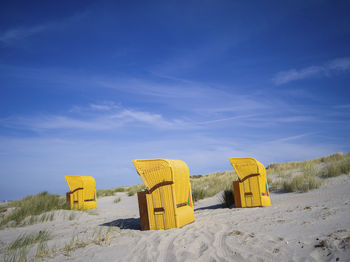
(12, 35)
(290, 138)
(109, 161)
(239, 117)
(96, 122)
(15, 34)
(345, 106)
(336, 65)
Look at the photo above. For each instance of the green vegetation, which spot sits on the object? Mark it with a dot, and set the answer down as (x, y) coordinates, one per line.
(117, 200)
(195, 176)
(280, 168)
(43, 251)
(211, 184)
(26, 240)
(34, 246)
(336, 168)
(130, 190)
(72, 216)
(307, 175)
(301, 183)
(17, 250)
(227, 198)
(99, 238)
(20, 255)
(110, 192)
(133, 189)
(32, 206)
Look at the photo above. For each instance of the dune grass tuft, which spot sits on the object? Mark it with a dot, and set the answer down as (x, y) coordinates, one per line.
(35, 205)
(133, 189)
(130, 190)
(301, 183)
(227, 198)
(336, 168)
(26, 240)
(98, 238)
(278, 168)
(307, 175)
(110, 192)
(211, 184)
(43, 250)
(20, 255)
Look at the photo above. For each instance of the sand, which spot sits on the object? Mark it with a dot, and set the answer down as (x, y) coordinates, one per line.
(313, 226)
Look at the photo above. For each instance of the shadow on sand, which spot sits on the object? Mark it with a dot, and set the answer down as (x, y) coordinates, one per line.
(124, 223)
(209, 207)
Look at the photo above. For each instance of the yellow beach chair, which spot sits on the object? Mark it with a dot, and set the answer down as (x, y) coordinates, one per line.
(167, 199)
(82, 193)
(251, 190)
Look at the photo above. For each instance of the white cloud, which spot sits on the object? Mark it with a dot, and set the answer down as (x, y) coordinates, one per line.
(14, 34)
(345, 106)
(98, 122)
(103, 107)
(336, 65)
(340, 64)
(47, 160)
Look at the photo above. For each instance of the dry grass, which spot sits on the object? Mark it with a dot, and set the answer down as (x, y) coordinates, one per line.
(26, 240)
(110, 192)
(130, 190)
(98, 238)
(211, 184)
(336, 168)
(306, 175)
(279, 168)
(32, 206)
(133, 189)
(20, 255)
(17, 250)
(301, 183)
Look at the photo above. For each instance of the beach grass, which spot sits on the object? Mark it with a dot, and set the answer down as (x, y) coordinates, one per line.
(336, 168)
(32, 206)
(301, 183)
(278, 168)
(306, 175)
(25, 240)
(99, 237)
(211, 184)
(110, 192)
(130, 190)
(20, 255)
(227, 198)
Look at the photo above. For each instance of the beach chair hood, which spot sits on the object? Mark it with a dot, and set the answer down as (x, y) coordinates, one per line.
(245, 166)
(83, 191)
(251, 189)
(168, 188)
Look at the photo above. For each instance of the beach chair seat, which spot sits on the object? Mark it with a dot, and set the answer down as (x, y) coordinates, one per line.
(167, 200)
(251, 189)
(82, 195)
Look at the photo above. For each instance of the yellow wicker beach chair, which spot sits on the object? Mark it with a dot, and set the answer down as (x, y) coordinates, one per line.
(251, 190)
(82, 193)
(167, 199)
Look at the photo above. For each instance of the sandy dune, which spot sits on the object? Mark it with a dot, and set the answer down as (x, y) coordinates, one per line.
(313, 226)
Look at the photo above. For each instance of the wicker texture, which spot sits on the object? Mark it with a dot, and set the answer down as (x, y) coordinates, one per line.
(168, 194)
(253, 188)
(82, 195)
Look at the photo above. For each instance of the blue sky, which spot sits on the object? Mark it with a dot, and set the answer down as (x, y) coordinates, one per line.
(86, 86)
